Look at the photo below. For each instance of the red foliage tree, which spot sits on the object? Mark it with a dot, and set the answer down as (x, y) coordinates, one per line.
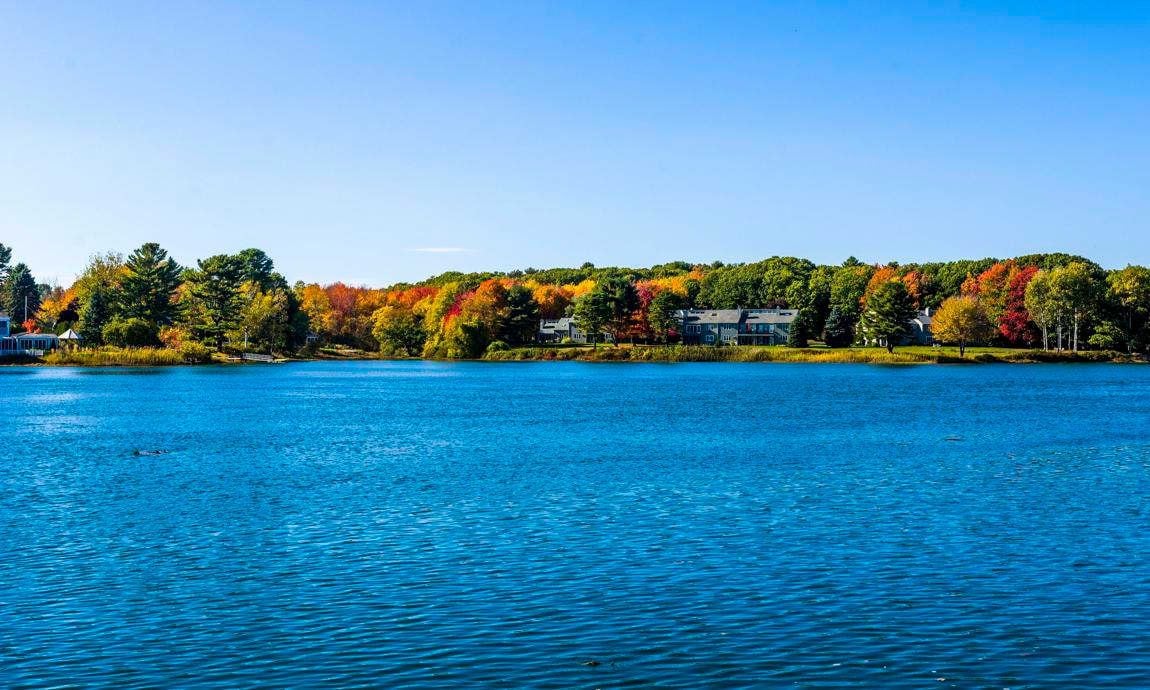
(1015, 324)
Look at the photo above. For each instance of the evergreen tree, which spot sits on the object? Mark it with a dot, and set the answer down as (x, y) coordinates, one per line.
(522, 316)
(886, 318)
(5, 260)
(839, 331)
(258, 268)
(216, 299)
(21, 294)
(150, 278)
(95, 313)
(622, 299)
(798, 333)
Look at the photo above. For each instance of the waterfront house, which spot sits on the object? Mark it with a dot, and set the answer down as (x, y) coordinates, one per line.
(564, 330)
(766, 326)
(920, 333)
(710, 326)
(24, 343)
(736, 326)
(34, 344)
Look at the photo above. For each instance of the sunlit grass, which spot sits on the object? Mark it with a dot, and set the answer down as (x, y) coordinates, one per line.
(116, 356)
(865, 355)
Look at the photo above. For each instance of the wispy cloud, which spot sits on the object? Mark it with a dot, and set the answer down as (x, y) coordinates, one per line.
(438, 250)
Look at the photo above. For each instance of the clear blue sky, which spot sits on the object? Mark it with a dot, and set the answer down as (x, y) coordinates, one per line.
(347, 139)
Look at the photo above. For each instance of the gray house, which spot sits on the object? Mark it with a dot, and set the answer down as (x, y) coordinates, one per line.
(560, 330)
(710, 326)
(920, 333)
(766, 326)
(736, 326)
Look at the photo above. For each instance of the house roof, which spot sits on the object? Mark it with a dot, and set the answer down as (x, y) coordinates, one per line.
(30, 336)
(555, 325)
(771, 315)
(924, 318)
(734, 316)
(70, 335)
(713, 315)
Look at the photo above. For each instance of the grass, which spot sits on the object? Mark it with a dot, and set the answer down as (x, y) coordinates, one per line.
(344, 352)
(864, 355)
(116, 357)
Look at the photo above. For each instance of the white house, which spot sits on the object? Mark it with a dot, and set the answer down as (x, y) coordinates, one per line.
(24, 343)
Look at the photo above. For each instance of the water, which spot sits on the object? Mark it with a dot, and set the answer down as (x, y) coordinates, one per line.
(433, 525)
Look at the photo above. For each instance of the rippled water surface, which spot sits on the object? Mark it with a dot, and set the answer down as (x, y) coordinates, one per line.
(576, 525)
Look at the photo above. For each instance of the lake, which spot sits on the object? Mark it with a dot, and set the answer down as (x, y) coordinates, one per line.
(556, 525)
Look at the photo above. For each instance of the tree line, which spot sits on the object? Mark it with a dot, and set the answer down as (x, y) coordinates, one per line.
(240, 302)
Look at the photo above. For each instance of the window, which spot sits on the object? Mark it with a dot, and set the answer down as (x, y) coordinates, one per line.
(693, 328)
(709, 338)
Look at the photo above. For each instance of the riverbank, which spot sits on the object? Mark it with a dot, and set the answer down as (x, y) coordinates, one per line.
(147, 357)
(858, 355)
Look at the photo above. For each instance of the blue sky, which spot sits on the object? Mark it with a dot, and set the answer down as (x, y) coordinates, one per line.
(349, 139)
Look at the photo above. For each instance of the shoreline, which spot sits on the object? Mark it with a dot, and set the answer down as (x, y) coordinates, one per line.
(629, 353)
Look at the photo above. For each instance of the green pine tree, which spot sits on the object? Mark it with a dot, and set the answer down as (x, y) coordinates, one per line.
(21, 294)
(95, 313)
(150, 278)
(839, 331)
(886, 318)
(798, 333)
(522, 316)
(217, 303)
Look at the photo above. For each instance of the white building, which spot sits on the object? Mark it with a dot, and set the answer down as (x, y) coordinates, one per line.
(34, 344)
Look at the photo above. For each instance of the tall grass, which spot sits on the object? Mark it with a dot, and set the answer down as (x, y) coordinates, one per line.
(868, 355)
(116, 356)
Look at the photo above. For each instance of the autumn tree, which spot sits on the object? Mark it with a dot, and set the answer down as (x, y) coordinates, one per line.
(1129, 289)
(992, 287)
(962, 320)
(399, 331)
(97, 295)
(1015, 324)
(886, 318)
(57, 307)
(265, 318)
(553, 300)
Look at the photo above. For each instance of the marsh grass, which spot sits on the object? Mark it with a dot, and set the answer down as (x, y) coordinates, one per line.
(116, 356)
(856, 355)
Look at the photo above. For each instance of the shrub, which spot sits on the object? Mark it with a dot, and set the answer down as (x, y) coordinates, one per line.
(497, 346)
(129, 333)
(195, 353)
